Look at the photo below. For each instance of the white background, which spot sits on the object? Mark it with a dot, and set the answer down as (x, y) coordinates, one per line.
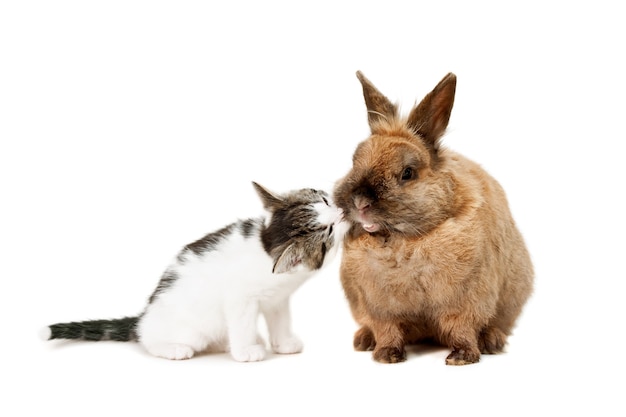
(130, 128)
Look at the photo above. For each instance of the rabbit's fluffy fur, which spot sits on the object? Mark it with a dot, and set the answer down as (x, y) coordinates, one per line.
(433, 252)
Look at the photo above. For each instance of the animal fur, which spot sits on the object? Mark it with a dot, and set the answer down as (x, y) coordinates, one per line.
(433, 252)
(211, 296)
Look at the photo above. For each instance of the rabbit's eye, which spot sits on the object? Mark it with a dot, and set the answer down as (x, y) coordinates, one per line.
(408, 174)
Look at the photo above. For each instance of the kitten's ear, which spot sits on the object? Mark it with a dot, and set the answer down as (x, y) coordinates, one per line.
(270, 200)
(430, 118)
(378, 106)
(287, 261)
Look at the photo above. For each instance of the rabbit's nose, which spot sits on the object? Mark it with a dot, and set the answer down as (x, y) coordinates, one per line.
(362, 204)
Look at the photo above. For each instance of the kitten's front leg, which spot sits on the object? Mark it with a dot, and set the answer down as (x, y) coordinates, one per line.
(242, 332)
(278, 319)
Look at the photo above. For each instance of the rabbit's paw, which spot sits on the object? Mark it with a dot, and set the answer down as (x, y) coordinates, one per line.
(460, 356)
(390, 355)
(364, 339)
(491, 340)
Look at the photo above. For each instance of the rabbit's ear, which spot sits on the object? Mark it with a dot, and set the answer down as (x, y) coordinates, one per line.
(378, 106)
(430, 118)
(270, 200)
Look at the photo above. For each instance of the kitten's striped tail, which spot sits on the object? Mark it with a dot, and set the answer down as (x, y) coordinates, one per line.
(122, 330)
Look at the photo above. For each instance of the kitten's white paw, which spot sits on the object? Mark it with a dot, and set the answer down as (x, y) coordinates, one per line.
(288, 345)
(175, 351)
(252, 353)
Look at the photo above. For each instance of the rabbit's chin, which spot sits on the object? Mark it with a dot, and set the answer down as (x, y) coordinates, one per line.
(371, 227)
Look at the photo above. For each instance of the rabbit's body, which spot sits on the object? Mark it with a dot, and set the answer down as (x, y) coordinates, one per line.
(434, 252)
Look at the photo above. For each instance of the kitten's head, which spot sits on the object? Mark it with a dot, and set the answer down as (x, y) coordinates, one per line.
(303, 230)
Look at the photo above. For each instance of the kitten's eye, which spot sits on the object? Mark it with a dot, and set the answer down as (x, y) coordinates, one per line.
(330, 230)
(325, 201)
(408, 174)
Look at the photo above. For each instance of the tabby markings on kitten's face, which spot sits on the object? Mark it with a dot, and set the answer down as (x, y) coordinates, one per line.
(298, 233)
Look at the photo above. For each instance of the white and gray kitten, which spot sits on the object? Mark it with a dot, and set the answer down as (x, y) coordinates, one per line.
(211, 296)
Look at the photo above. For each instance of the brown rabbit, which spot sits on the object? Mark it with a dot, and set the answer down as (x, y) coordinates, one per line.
(433, 252)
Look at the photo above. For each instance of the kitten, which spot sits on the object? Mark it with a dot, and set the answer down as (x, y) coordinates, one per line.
(211, 296)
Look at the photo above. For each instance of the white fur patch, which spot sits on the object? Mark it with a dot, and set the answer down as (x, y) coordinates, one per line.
(215, 303)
